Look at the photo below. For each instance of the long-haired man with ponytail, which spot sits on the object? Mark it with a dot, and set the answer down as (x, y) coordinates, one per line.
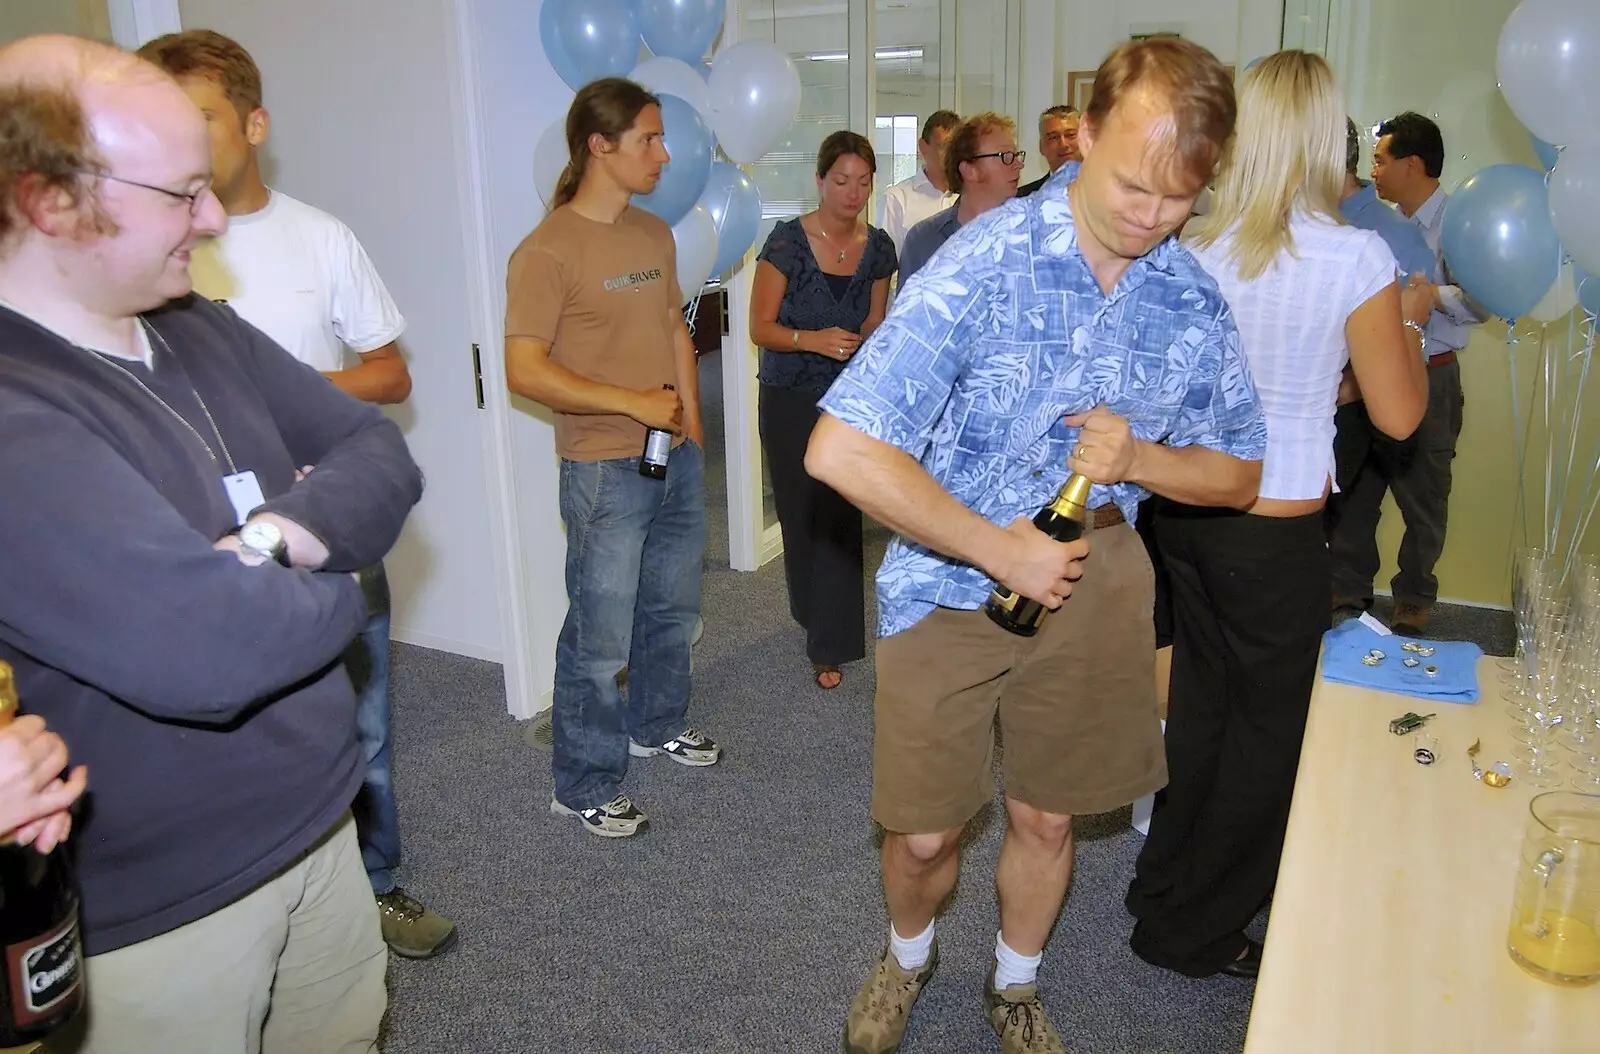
(595, 331)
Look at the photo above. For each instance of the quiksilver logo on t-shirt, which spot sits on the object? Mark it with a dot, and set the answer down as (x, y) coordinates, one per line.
(624, 281)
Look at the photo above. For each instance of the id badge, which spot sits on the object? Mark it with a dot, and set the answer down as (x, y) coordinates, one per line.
(244, 493)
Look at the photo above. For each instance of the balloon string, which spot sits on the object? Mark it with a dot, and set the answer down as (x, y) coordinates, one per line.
(692, 309)
(1520, 434)
(1588, 503)
(1573, 423)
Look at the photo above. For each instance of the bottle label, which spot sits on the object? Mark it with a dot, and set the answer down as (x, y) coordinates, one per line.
(44, 972)
(657, 446)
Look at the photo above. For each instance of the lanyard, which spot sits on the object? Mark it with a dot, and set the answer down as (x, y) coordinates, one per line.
(150, 331)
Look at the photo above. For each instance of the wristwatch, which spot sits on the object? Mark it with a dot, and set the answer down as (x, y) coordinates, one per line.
(264, 539)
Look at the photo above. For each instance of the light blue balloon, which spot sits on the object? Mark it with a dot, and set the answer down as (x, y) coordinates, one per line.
(554, 50)
(683, 177)
(680, 29)
(735, 206)
(1588, 289)
(599, 37)
(1253, 63)
(1499, 240)
(1548, 154)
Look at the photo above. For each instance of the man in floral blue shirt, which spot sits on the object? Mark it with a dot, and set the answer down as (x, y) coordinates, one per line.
(1065, 331)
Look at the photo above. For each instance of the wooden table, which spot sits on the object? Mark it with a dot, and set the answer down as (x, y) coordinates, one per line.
(1388, 926)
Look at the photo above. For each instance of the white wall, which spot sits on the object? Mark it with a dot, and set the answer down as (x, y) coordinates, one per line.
(21, 18)
(364, 126)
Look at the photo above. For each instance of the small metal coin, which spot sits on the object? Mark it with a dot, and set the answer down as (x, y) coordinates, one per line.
(1424, 651)
(1376, 654)
(1411, 660)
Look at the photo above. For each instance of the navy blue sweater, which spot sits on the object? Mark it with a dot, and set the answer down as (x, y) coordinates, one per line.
(206, 697)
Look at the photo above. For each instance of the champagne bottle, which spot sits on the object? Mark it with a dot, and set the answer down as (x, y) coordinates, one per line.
(1064, 519)
(41, 956)
(657, 446)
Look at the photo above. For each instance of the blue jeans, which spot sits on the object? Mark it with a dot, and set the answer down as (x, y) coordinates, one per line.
(634, 551)
(377, 817)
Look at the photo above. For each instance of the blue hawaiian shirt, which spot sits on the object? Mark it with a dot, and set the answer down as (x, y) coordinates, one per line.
(1002, 334)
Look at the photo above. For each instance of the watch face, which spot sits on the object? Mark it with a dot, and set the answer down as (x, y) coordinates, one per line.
(260, 536)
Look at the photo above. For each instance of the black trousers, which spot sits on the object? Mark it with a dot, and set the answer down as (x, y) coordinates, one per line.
(1418, 471)
(821, 533)
(1251, 600)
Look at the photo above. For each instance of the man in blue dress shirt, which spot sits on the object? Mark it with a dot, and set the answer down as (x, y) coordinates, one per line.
(1067, 330)
(1361, 207)
(1406, 165)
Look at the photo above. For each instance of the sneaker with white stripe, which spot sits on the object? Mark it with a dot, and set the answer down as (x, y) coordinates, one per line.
(617, 818)
(689, 747)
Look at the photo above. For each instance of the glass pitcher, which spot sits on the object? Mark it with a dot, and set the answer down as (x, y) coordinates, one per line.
(1555, 911)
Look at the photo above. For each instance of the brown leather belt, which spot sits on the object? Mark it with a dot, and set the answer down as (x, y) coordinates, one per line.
(1444, 358)
(1107, 515)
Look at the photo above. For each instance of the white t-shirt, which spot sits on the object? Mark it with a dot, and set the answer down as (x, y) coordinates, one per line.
(299, 275)
(908, 203)
(1291, 328)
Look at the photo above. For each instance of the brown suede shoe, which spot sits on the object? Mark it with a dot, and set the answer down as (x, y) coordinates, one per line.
(1018, 1018)
(1410, 620)
(412, 930)
(877, 1020)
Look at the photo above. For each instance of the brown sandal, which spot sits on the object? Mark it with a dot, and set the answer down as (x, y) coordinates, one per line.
(822, 671)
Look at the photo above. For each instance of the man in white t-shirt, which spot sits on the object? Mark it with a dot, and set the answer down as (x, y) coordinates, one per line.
(913, 200)
(299, 275)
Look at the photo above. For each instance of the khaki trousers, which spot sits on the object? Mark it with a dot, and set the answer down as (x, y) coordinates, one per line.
(295, 967)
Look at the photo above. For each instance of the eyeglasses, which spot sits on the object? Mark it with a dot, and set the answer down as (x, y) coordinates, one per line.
(190, 198)
(1006, 156)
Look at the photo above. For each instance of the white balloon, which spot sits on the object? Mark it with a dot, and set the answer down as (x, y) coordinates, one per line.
(1560, 300)
(666, 76)
(549, 159)
(1545, 59)
(1575, 203)
(755, 95)
(696, 238)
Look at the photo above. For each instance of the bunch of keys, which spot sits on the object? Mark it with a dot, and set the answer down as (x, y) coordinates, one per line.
(1407, 723)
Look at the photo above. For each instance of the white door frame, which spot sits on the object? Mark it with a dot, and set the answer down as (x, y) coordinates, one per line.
(135, 21)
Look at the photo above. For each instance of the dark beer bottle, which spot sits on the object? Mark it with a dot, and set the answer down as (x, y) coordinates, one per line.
(42, 983)
(657, 447)
(1064, 519)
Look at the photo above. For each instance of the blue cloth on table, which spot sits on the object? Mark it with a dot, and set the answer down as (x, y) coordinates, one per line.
(1456, 681)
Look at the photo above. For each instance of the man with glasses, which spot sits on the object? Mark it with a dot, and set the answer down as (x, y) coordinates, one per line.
(981, 163)
(1058, 143)
(175, 601)
(301, 277)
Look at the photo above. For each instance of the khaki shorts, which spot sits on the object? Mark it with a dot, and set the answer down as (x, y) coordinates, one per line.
(1077, 703)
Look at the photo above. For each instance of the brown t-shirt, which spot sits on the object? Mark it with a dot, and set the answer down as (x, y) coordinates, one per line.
(603, 296)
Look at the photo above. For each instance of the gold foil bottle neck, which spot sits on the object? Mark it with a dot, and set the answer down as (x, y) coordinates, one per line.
(8, 694)
(1073, 498)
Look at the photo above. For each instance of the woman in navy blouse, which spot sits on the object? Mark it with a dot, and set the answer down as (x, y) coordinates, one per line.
(821, 288)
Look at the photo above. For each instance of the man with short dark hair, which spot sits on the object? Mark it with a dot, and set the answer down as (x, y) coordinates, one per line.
(1058, 143)
(1406, 166)
(981, 163)
(1360, 205)
(1008, 362)
(300, 276)
(176, 602)
(913, 200)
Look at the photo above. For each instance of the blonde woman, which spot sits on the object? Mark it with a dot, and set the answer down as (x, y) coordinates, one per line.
(1251, 590)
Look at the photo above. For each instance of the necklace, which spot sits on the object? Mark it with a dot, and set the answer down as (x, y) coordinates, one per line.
(824, 232)
(150, 331)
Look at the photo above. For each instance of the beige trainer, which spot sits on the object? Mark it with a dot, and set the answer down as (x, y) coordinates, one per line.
(877, 1020)
(1018, 1018)
(411, 929)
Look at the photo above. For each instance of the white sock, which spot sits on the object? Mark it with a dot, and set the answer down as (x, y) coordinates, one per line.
(911, 953)
(1012, 968)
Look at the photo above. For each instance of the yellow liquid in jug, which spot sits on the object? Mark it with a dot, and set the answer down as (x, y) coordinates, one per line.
(1556, 948)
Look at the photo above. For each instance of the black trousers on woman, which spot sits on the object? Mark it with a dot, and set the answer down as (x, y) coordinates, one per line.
(821, 533)
(1251, 596)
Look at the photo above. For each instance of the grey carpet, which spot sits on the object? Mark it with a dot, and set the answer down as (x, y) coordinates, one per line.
(745, 918)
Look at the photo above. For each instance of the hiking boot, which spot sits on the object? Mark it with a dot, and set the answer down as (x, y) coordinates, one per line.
(1410, 620)
(688, 747)
(411, 929)
(1018, 1018)
(617, 818)
(877, 1020)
